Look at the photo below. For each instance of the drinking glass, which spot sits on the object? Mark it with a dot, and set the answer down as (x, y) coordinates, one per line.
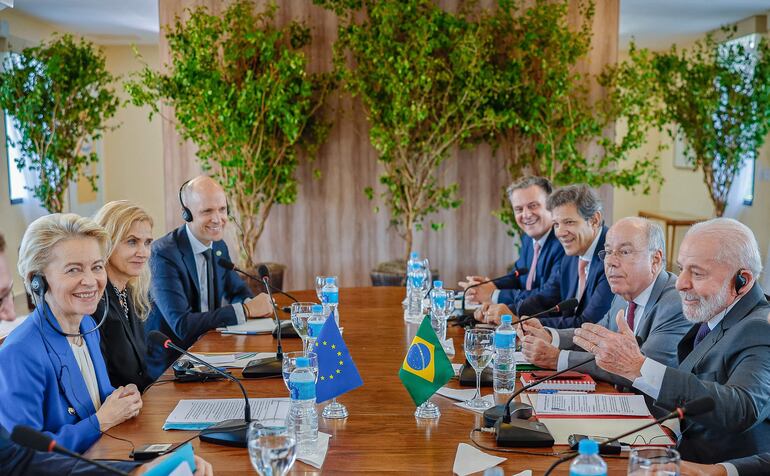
(654, 462)
(479, 350)
(300, 313)
(319, 285)
(272, 447)
(289, 363)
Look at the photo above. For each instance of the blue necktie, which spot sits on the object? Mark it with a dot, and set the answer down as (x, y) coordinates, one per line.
(703, 331)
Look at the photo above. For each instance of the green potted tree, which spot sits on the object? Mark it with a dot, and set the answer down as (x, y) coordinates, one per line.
(548, 122)
(59, 96)
(718, 94)
(240, 91)
(419, 72)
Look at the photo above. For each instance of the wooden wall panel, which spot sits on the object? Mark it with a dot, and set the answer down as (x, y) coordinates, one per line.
(332, 228)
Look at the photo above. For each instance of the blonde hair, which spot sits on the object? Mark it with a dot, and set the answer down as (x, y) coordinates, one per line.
(117, 217)
(43, 234)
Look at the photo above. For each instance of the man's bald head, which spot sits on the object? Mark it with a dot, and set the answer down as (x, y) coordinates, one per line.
(208, 204)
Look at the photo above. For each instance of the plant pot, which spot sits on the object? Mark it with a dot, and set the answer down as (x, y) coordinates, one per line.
(393, 273)
(276, 277)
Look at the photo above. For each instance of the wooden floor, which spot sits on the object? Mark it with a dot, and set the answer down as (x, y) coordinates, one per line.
(381, 434)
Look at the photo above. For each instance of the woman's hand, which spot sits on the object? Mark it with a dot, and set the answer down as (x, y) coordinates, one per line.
(119, 406)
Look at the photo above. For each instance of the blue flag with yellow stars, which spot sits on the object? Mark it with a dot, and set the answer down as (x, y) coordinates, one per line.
(426, 367)
(337, 374)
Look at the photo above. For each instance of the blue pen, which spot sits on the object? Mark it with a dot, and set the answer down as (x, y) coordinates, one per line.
(548, 391)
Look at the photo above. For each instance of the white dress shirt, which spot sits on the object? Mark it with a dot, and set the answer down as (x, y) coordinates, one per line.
(589, 256)
(541, 242)
(198, 249)
(86, 365)
(641, 303)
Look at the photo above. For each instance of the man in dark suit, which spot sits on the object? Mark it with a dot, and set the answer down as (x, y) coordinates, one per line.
(191, 294)
(540, 251)
(633, 257)
(725, 355)
(578, 224)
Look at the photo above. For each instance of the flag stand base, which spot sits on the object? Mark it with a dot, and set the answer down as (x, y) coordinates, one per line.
(427, 410)
(335, 410)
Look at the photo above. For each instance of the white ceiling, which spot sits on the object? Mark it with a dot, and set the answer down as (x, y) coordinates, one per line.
(653, 23)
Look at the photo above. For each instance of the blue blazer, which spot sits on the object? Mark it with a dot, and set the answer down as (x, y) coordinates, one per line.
(594, 303)
(41, 385)
(176, 297)
(513, 289)
(16, 460)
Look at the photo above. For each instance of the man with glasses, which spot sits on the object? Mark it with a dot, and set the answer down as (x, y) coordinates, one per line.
(7, 312)
(634, 265)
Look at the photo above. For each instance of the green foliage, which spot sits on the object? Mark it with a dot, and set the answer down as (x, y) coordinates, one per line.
(422, 75)
(59, 95)
(719, 95)
(548, 122)
(240, 91)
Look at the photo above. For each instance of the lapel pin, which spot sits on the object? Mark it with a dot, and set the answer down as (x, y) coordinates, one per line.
(71, 411)
(218, 253)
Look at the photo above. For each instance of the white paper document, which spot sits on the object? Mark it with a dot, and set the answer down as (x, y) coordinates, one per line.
(520, 359)
(591, 404)
(263, 325)
(461, 394)
(200, 414)
(469, 460)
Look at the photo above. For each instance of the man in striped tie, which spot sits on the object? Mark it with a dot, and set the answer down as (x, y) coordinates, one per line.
(540, 253)
(725, 355)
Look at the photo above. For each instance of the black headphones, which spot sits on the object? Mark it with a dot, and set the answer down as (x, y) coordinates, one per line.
(186, 213)
(740, 281)
(39, 287)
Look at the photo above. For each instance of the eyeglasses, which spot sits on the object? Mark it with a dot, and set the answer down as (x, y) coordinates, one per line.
(621, 254)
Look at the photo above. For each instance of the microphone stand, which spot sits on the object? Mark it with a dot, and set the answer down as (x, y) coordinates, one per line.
(270, 366)
(230, 265)
(231, 432)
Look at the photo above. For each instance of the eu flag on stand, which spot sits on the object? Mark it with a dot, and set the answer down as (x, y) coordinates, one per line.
(337, 374)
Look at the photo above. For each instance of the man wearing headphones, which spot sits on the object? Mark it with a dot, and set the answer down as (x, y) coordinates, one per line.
(725, 355)
(191, 293)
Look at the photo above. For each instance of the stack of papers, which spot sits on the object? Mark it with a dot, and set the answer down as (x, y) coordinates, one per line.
(201, 414)
(601, 404)
(264, 325)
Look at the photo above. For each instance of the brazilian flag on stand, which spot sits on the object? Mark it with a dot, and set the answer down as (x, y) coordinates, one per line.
(426, 367)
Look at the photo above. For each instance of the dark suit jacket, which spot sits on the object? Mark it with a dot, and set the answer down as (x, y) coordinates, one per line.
(732, 366)
(662, 326)
(594, 303)
(756, 465)
(16, 460)
(513, 289)
(176, 295)
(123, 343)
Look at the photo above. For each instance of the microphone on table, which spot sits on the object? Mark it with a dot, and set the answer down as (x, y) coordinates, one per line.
(516, 273)
(229, 265)
(696, 407)
(271, 366)
(229, 432)
(567, 307)
(520, 431)
(28, 437)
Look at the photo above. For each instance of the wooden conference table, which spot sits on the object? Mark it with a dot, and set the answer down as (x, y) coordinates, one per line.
(381, 434)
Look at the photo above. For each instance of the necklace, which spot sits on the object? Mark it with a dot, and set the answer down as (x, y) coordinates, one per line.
(123, 298)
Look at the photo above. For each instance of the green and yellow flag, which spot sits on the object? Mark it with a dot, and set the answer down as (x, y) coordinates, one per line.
(426, 367)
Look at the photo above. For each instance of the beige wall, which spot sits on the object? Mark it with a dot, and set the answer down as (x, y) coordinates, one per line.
(133, 153)
(133, 165)
(684, 191)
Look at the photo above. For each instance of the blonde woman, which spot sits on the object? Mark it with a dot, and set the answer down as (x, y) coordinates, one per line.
(128, 278)
(52, 373)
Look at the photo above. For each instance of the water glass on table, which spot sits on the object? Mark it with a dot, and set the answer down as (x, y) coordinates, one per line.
(272, 447)
(654, 462)
(479, 349)
(300, 313)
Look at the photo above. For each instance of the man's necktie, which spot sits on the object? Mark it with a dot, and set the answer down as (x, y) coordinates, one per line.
(703, 331)
(630, 315)
(582, 265)
(212, 288)
(533, 266)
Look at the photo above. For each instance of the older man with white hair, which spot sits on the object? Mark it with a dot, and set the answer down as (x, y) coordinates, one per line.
(725, 355)
(633, 263)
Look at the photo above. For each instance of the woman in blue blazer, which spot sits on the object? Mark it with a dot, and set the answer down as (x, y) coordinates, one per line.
(52, 373)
